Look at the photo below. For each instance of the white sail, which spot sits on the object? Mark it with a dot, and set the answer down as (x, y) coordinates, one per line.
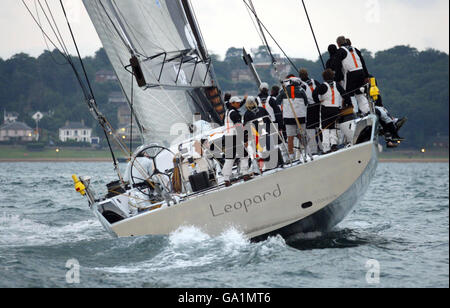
(175, 67)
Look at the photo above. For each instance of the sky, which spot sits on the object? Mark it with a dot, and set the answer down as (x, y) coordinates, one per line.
(371, 24)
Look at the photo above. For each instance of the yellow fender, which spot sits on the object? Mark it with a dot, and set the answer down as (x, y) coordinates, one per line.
(79, 187)
(374, 91)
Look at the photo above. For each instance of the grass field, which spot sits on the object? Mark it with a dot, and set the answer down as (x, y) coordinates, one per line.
(20, 153)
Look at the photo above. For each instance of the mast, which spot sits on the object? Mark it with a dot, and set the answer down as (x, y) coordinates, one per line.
(195, 29)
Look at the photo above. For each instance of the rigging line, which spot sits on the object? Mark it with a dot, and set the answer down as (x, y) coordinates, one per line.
(314, 36)
(262, 33)
(115, 28)
(254, 25)
(275, 41)
(57, 29)
(67, 57)
(45, 39)
(61, 42)
(131, 115)
(42, 30)
(91, 97)
(78, 52)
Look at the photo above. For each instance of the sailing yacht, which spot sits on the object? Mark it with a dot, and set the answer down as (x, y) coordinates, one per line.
(172, 180)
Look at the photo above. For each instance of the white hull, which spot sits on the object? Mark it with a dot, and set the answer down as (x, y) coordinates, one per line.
(304, 198)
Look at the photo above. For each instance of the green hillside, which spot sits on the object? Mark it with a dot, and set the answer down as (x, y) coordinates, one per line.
(413, 84)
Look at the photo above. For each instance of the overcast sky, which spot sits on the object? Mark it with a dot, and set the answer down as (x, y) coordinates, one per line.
(371, 24)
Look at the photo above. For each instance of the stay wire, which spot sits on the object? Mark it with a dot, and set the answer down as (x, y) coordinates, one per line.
(78, 52)
(43, 35)
(51, 27)
(271, 36)
(314, 35)
(254, 25)
(63, 45)
(42, 30)
(66, 56)
(91, 97)
(131, 114)
(262, 33)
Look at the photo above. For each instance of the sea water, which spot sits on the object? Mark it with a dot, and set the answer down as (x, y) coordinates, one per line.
(397, 236)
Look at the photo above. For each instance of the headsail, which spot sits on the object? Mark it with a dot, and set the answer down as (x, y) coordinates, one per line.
(159, 39)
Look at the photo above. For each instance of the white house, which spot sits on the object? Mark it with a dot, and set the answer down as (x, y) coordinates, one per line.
(76, 131)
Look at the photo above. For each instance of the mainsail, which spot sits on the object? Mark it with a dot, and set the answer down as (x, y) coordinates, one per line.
(161, 61)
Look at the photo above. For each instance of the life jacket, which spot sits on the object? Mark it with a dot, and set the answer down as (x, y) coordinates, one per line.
(352, 62)
(270, 111)
(230, 126)
(298, 103)
(332, 98)
(310, 86)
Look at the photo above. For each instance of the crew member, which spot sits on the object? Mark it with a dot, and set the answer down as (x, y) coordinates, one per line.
(329, 96)
(234, 142)
(335, 65)
(294, 101)
(312, 113)
(355, 73)
(269, 103)
(263, 94)
(227, 99)
(390, 124)
(255, 112)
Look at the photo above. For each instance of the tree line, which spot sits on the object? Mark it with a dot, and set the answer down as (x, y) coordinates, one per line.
(413, 83)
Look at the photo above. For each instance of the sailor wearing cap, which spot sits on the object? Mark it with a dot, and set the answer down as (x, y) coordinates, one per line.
(234, 142)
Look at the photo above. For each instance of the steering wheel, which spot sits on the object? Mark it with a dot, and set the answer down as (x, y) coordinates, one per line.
(163, 167)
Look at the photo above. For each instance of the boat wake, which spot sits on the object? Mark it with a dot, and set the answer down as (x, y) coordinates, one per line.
(189, 248)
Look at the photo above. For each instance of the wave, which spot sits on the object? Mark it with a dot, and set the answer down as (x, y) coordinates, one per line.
(19, 231)
(190, 248)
